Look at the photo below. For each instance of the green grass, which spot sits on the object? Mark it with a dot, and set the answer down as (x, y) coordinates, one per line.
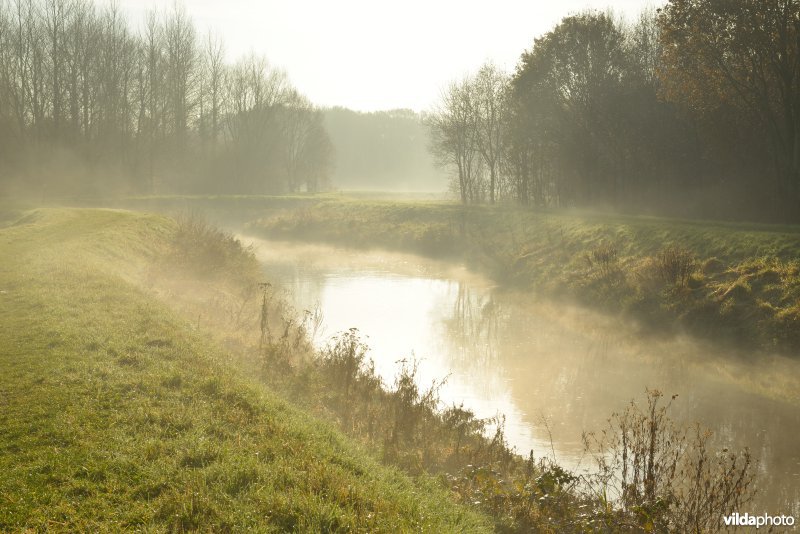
(118, 415)
(228, 209)
(221, 209)
(744, 289)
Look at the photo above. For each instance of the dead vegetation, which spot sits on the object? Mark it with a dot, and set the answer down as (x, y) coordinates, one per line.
(675, 265)
(655, 475)
(604, 258)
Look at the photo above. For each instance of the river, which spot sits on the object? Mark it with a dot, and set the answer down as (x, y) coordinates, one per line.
(553, 370)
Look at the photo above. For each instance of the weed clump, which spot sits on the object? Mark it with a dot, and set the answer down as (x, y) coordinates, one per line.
(675, 265)
(655, 475)
(604, 258)
(345, 360)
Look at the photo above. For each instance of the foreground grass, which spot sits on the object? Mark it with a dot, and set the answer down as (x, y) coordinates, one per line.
(119, 415)
(743, 285)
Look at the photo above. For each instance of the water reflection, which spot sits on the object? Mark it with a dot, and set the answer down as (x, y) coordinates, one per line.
(471, 328)
(533, 361)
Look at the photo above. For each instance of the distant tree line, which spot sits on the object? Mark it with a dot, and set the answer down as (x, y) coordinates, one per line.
(152, 111)
(692, 110)
(384, 150)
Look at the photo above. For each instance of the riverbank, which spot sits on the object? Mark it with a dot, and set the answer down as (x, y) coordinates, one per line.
(119, 414)
(735, 284)
(128, 409)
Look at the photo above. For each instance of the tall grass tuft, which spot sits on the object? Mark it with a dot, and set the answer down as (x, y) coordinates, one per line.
(604, 258)
(675, 265)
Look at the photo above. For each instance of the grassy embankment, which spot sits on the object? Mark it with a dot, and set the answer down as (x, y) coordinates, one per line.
(118, 414)
(734, 282)
(225, 210)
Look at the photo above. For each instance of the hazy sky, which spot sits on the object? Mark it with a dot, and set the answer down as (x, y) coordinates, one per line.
(371, 55)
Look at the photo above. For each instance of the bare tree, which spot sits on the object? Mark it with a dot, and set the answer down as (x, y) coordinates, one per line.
(152, 92)
(454, 138)
(296, 122)
(490, 87)
(306, 149)
(56, 17)
(255, 92)
(181, 53)
(212, 85)
(81, 49)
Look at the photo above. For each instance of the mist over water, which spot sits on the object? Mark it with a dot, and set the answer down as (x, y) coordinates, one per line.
(551, 369)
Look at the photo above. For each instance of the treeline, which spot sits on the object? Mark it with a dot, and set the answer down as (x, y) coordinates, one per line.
(693, 110)
(149, 111)
(386, 150)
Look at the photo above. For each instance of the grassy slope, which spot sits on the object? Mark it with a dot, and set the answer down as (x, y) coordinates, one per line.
(117, 415)
(746, 288)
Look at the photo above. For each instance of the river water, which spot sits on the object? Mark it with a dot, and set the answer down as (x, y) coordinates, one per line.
(553, 370)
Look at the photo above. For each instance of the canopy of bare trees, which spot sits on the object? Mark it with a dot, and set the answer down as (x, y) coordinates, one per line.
(467, 133)
(157, 110)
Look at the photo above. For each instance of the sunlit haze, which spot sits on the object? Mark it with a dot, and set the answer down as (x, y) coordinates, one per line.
(368, 55)
(443, 265)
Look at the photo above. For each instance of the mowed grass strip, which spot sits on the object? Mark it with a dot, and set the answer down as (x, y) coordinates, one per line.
(117, 415)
